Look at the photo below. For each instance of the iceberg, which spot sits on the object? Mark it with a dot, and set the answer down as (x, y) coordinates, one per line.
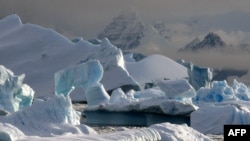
(55, 116)
(220, 91)
(96, 95)
(83, 75)
(14, 95)
(118, 96)
(154, 68)
(86, 76)
(242, 92)
(211, 119)
(177, 89)
(24, 42)
(139, 108)
(221, 104)
(198, 76)
(112, 61)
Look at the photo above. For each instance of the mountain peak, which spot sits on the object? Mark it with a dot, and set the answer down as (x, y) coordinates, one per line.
(211, 40)
(125, 30)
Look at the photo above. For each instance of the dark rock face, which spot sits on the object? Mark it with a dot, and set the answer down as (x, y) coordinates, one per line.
(210, 41)
(224, 74)
(125, 31)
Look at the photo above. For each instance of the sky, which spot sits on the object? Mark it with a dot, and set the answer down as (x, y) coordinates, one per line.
(86, 18)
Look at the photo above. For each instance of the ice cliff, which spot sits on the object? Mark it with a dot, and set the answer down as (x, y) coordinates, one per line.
(14, 95)
(198, 76)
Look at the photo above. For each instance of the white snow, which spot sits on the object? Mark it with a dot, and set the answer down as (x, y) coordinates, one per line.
(177, 89)
(211, 119)
(39, 53)
(173, 132)
(54, 116)
(164, 132)
(154, 68)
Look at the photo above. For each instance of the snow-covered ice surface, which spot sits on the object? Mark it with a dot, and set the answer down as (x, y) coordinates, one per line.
(164, 132)
(54, 116)
(39, 53)
(211, 119)
(177, 89)
(219, 105)
(141, 108)
(156, 67)
(23, 51)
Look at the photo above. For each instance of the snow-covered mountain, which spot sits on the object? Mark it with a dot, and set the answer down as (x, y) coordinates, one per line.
(210, 41)
(128, 31)
(125, 31)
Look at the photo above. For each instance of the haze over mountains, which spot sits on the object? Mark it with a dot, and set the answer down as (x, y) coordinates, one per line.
(127, 31)
(217, 48)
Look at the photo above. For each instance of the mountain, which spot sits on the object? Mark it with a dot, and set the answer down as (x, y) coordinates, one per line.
(162, 29)
(210, 41)
(127, 31)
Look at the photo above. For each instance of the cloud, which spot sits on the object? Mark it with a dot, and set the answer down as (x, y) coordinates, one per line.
(234, 37)
(88, 17)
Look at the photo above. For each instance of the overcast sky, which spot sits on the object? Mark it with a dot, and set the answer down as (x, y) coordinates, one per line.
(87, 18)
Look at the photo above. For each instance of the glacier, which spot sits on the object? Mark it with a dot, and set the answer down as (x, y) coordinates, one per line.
(14, 95)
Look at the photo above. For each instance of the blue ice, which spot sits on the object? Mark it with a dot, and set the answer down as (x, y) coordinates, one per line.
(14, 95)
